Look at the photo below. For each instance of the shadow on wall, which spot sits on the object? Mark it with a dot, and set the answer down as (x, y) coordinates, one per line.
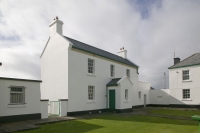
(162, 98)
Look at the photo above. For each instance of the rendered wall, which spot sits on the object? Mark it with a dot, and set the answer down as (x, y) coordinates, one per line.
(54, 69)
(32, 98)
(159, 97)
(177, 85)
(79, 79)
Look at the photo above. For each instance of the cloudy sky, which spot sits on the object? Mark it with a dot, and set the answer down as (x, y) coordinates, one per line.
(149, 29)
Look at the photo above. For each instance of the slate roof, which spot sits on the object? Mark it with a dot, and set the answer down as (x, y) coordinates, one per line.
(90, 49)
(113, 82)
(190, 61)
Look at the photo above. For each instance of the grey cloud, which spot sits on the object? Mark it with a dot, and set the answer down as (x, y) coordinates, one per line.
(108, 25)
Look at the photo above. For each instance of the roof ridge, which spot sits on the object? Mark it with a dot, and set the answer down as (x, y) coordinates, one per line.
(183, 60)
(94, 47)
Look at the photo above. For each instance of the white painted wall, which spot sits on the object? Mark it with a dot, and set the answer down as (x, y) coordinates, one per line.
(54, 69)
(44, 109)
(126, 84)
(63, 108)
(160, 96)
(144, 88)
(177, 85)
(32, 98)
(79, 79)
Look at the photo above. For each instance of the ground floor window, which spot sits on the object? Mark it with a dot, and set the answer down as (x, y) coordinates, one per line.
(126, 94)
(186, 93)
(17, 95)
(90, 92)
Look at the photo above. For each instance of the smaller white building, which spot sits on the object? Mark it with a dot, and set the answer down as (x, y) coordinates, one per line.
(184, 85)
(20, 100)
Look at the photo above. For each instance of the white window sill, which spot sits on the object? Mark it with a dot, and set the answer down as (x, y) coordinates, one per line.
(91, 101)
(91, 74)
(16, 106)
(186, 80)
(126, 101)
(186, 100)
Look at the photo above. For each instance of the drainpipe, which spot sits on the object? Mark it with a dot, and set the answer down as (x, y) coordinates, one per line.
(106, 97)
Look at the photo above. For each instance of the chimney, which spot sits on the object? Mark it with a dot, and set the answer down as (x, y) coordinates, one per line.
(56, 27)
(122, 53)
(176, 60)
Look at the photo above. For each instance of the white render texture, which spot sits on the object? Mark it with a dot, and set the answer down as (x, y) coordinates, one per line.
(160, 96)
(32, 98)
(44, 109)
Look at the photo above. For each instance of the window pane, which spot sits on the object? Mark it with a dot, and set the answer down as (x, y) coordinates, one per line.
(17, 96)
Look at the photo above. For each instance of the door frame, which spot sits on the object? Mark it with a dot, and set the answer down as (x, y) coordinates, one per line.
(109, 99)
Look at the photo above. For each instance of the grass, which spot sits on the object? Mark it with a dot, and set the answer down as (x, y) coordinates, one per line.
(120, 124)
(170, 112)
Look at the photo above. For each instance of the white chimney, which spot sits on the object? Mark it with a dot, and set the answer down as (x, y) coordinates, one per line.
(122, 53)
(56, 27)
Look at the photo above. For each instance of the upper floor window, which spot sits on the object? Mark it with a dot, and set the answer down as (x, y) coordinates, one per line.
(186, 93)
(126, 94)
(128, 73)
(112, 70)
(186, 75)
(90, 66)
(17, 95)
(90, 92)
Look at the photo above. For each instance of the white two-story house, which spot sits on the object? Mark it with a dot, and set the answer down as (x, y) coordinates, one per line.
(184, 85)
(89, 79)
(184, 81)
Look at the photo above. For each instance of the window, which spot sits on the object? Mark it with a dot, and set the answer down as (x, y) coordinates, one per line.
(186, 75)
(90, 92)
(90, 66)
(126, 94)
(186, 93)
(17, 95)
(112, 70)
(128, 73)
(139, 94)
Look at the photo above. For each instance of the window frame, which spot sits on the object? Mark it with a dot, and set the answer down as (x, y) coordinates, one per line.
(185, 75)
(126, 94)
(128, 73)
(93, 93)
(112, 74)
(186, 94)
(15, 92)
(93, 66)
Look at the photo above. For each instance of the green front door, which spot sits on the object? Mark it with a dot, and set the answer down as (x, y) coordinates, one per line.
(111, 99)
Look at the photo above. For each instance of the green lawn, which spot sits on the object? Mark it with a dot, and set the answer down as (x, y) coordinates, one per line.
(170, 112)
(120, 124)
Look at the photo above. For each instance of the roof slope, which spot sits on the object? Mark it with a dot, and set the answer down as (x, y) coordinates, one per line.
(113, 82)
(99, 52)
(190, 61)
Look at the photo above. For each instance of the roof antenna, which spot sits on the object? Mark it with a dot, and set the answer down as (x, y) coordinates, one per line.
(174, 52)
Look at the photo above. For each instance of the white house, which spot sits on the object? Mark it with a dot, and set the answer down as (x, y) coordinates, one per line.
(184, 85)
(87, 79)
(20, 100)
